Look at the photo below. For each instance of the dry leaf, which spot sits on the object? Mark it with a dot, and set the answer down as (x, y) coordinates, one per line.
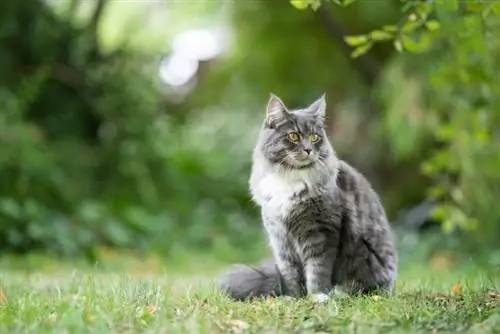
(151, 309)
(376, 297)
(456, 288)
(494, 295)
(3, 296)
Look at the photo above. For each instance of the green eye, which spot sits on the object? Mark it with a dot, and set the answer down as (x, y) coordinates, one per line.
(314, 137)
(293, 136)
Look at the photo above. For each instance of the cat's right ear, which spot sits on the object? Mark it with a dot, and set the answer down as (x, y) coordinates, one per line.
(276, 111)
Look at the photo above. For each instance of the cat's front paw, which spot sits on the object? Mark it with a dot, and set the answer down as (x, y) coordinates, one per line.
(320, 298)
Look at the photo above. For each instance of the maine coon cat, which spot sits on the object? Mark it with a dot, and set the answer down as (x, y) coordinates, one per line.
(326, 225)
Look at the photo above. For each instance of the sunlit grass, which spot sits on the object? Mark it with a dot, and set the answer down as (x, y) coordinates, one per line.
(170, 301)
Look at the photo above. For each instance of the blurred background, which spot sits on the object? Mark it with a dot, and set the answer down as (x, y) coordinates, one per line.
(126, 127)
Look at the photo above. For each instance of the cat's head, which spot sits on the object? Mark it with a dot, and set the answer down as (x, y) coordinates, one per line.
(295, 139)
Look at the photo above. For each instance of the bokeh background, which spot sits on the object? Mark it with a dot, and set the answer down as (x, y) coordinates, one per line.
(127, 126)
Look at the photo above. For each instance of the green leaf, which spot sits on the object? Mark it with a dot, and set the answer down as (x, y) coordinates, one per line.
(398, 45)
(432, 25)
(423, 8)
(356, 40)
(361, 50)
(343, 3)
(300, 4)
(417, 46)
(380, 35)
(440, 212)
(390, 28)
(436, 192)
(348, 2)
(315, 4)
(409, 26)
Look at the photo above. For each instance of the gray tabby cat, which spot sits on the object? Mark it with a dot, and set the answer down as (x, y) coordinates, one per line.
(326, 225)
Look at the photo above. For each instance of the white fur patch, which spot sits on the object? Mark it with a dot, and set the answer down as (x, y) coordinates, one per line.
(320, 298)
(274, 192)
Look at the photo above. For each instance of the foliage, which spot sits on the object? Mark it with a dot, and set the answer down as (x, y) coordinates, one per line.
(458, 90)
(92, 154)
(464, 165)
(295, 55)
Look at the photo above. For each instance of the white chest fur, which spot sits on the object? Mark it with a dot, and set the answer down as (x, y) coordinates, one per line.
(276, 194)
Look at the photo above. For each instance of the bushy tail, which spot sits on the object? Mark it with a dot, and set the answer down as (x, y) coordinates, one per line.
(243, 282)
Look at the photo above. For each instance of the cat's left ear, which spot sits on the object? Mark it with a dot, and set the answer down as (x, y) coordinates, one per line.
(318, 107)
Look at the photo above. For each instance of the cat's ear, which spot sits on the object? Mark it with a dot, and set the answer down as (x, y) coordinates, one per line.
(318, 107)
(276, 111)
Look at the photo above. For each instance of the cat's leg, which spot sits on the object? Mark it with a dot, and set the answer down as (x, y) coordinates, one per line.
(373, 270)
(291, 273)
(318, 272)
(288, 265)
(285, 257)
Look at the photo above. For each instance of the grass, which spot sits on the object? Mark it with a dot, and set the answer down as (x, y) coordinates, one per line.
(453, 299)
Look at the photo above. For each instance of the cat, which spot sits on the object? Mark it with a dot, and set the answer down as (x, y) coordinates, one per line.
(326, 225)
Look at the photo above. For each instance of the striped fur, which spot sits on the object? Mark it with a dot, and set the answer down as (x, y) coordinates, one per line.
(326, 225)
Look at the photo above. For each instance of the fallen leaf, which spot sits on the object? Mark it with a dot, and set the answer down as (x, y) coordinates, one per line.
(3, 296)
(151, 309)
(494, 295)
(456, 288)
(376, 297)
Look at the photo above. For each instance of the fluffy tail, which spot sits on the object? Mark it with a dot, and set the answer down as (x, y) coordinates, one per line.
(243, 282)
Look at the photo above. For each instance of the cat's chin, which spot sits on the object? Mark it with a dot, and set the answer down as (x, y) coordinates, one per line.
(301, 164)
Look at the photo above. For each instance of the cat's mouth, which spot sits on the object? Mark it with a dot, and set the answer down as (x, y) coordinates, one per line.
(301, 162)
(305, 165)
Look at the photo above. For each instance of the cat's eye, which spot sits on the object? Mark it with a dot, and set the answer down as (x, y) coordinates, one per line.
(293, 136)
(314, 137)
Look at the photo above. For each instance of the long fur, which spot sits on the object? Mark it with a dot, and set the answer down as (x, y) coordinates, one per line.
(245, 282)
(325, 223)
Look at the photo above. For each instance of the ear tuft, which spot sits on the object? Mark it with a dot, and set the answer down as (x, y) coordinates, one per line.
(318, 107)
(276, 110)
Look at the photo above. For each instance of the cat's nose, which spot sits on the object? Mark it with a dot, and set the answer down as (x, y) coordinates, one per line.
(308, 151)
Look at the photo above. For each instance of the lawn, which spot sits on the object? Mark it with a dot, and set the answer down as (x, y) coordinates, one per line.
(461, 298)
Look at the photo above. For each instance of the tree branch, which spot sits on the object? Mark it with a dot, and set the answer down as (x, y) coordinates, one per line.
(96, 16)
(367, 66)
(93, 26)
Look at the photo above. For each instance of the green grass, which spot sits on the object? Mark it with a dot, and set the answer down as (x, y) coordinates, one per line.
(453, 299)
